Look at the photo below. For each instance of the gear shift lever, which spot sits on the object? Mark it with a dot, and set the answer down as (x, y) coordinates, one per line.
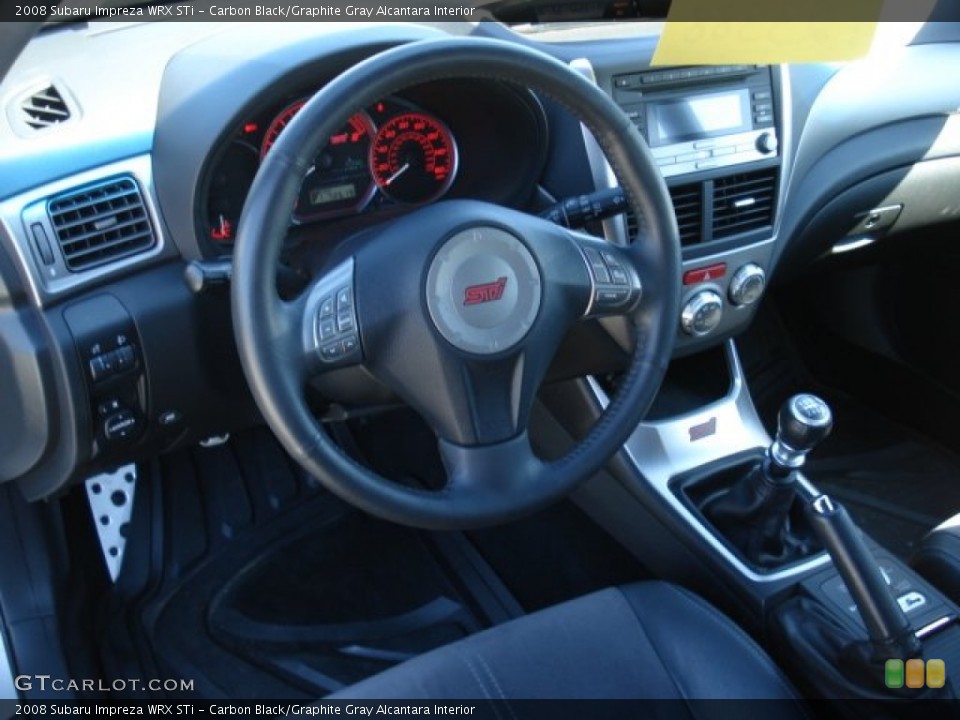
(754, 514)
(803, 423)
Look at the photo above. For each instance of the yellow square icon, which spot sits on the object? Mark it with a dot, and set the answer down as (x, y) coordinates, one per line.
(915, 673)
(936, 674)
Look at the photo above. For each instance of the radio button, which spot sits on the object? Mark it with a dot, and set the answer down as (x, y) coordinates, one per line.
(729, 150)
(707, 164)
(700, 144)
(689, 157)
(767, 143)
(764, 118)
(666, 161)
(761, 95)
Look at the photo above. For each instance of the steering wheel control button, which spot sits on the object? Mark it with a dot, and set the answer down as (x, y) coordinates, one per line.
(330, 321)
(747, 285)
(705, 274)
(619, 276)
(483, 290)
(327, 328)
(611, 281)
(609, 298)
(345, 323)
(702, 313)
(598, 268)
(351, 344)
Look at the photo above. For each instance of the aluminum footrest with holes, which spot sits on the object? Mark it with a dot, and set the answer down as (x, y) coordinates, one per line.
(111, 503)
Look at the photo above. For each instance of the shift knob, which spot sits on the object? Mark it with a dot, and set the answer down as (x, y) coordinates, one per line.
(804, 421)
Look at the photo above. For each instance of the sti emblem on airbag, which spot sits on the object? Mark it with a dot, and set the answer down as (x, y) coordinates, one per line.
(487, 292)
(706, 429)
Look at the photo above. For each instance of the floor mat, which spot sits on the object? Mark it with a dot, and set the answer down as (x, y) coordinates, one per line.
(896, 483)
(247, 578)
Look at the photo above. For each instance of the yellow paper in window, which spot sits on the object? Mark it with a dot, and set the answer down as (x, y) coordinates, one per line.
(767, 32)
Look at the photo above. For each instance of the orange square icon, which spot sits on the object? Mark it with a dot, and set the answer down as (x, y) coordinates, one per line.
(936, 673)
(915, 673)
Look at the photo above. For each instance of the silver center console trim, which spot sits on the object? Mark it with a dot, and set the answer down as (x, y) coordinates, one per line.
(47, 282)
(785, 139)
(660, 451)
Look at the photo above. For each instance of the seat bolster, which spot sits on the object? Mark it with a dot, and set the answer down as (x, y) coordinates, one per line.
(938, 558)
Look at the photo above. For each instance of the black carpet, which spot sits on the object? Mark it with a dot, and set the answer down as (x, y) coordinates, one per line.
(247, 578)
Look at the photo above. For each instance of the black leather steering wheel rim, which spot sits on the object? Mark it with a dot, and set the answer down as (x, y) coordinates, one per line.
(515, 482)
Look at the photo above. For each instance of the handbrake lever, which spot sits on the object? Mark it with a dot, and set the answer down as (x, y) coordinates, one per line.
(887, 626)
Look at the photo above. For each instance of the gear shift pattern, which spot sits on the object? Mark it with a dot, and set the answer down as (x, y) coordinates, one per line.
(754, 514)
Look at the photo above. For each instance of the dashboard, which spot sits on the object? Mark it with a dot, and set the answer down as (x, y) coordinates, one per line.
(108, 356)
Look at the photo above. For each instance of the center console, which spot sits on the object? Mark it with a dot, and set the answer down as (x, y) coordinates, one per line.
(720, 135)
(700, 493)
(840, 613)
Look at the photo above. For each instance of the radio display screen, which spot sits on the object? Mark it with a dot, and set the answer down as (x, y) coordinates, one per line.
(699, 116)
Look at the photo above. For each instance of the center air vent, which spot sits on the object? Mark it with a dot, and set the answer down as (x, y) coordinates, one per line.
(44, 109)
(743, 202)
(100, 223)
(688, 205)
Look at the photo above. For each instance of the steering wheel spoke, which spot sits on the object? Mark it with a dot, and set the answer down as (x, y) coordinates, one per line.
(615, 286)
(493, 471)
(329, 323)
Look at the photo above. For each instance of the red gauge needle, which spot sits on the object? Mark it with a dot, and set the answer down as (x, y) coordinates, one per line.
(398, 173)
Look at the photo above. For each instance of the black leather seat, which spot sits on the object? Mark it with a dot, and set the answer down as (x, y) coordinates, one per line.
(938, 557)
(650, 640)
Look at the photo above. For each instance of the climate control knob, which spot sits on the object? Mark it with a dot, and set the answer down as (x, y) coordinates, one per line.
(767, 143)
(702, 313)
(746, 285)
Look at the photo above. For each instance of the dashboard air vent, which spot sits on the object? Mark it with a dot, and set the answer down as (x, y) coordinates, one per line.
(44, 108)
(688, 205)
(743, 202)
(100, 223)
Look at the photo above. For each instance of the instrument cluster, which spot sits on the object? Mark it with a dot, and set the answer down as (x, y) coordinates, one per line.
(478, 139)
(391, 153)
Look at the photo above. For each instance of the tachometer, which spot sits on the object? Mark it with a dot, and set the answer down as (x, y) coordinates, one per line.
(277, 125)
(339, 180)
(413, 158)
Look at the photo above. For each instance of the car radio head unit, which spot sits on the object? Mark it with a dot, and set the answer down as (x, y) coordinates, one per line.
(702, 118)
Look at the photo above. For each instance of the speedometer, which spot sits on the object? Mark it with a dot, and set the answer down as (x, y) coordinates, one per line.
(413, 158)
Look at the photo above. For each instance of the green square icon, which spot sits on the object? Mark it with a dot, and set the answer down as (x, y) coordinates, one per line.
(893, 673)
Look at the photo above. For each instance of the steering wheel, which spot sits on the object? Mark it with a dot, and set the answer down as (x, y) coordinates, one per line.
(458, 306)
